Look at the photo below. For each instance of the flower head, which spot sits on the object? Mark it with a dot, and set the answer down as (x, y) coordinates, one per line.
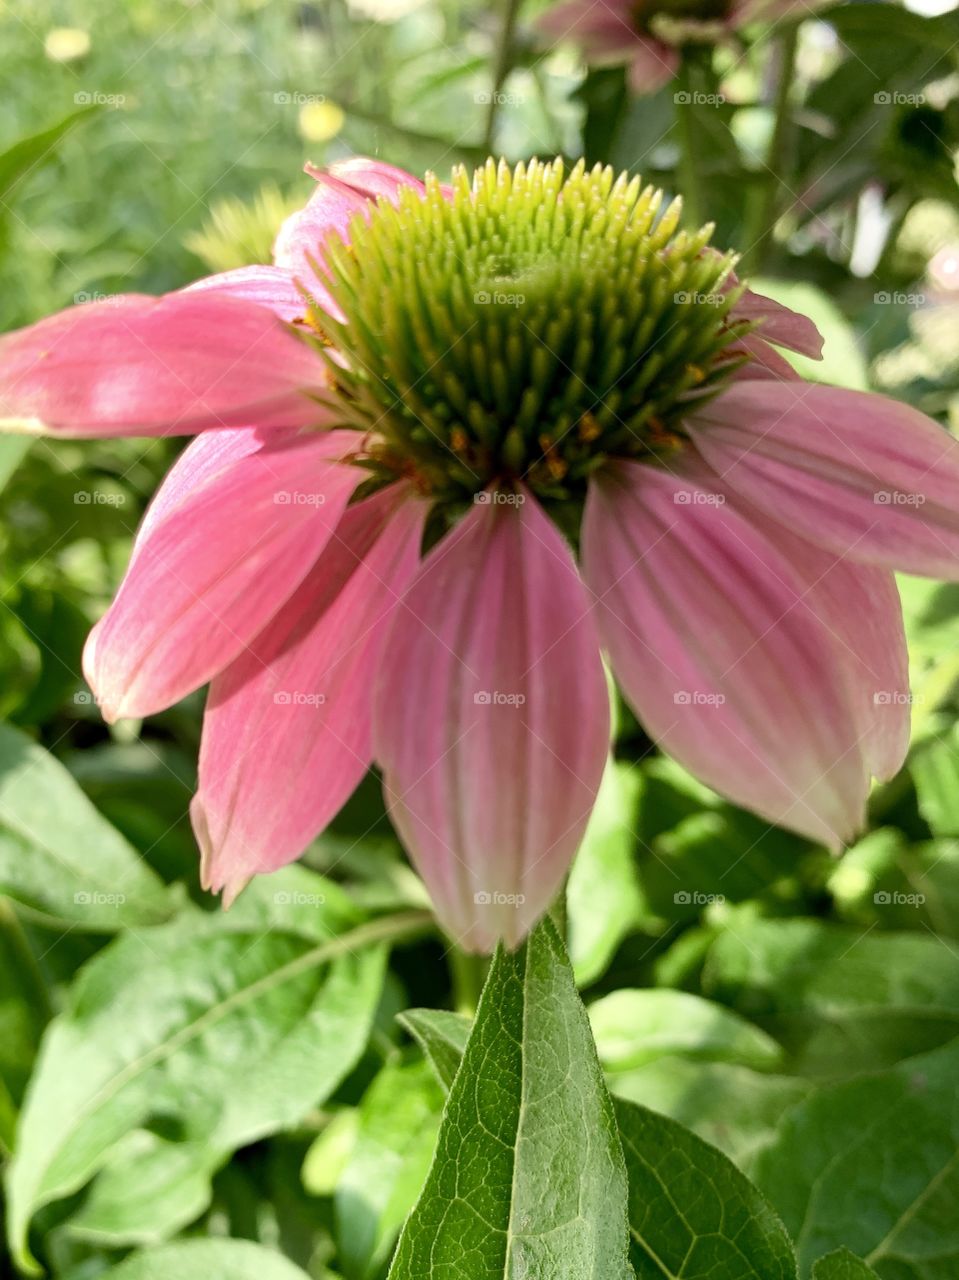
(454, 444)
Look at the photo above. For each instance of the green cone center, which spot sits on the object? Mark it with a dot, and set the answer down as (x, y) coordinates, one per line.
(525, 330)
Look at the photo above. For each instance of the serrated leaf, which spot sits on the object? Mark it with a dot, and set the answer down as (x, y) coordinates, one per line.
(442, 1036)
(871, 1164)
(232, 1034)
(632, 1027)
(842, 1265)
(692, 1214)
(528, 1177)
(59, 857)
(399, 1119)
(603, 897)
(206, 1259)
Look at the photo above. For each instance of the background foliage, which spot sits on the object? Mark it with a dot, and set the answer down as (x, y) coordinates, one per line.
(259, 1094)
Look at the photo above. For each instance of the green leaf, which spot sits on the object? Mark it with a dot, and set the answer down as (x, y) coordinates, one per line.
(328, 1153)
(232, 1034)
(872, 1164)
(27, 154)
(399, 1119)
(59, 857)
(149, 1190)
(205, 1259)
(13, 449)
(731, 1107)
(603, 897)
(842, 1265)
(442, 1036)
(528, 1177)
(840, 1000)
(691, 1212)
(935, 772)
(632, 1027)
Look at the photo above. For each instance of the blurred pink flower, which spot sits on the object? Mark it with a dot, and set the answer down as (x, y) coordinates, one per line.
(647, 36)
(743, 589)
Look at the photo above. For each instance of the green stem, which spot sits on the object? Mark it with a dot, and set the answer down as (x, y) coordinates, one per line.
(688, 168)
(468, 973)
(778, 158)
(501, 69)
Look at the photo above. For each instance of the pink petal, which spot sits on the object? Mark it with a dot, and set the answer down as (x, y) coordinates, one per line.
(651, 65)
(857, 473)
(157, 366)
(598, 28)
(779, 324)
(860, 608)
(287, 729)
(299, 243)
(373, 178)
(270, 287)
(214, 569)
(492, 721)
(720, 655)
(765, 362)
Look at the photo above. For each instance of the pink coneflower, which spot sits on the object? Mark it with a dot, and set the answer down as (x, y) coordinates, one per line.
(648, 35)
(440, 467)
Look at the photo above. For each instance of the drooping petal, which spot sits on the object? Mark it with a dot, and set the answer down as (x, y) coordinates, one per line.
(859, 606)
(778, 324)
(492, 721)
(270, 287)
(720, 654)
(287, 728)
(214, 569)
(765, 362)
(599, 29)
(860, 474)
(174, 365)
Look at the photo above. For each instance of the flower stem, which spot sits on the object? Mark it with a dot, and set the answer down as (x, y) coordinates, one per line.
(501, 68)
(688, 166)
(778, 166)
(468, 973)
